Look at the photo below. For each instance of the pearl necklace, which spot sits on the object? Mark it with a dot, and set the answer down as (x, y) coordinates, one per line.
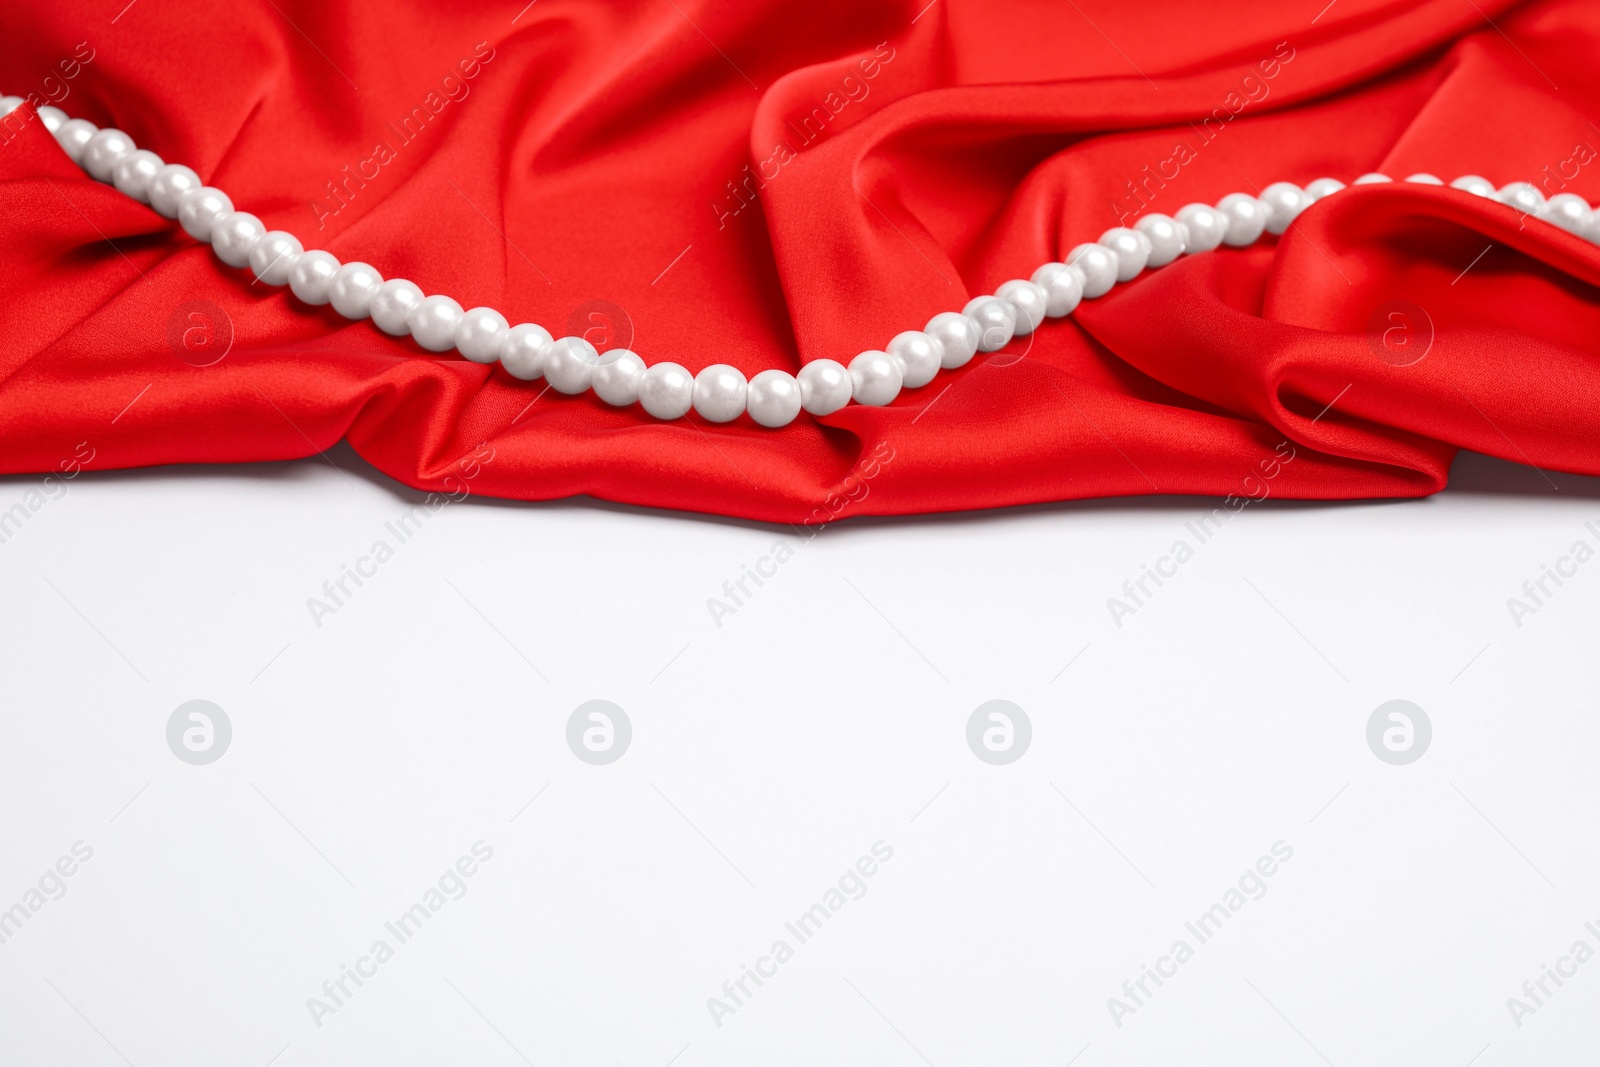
(720, 393)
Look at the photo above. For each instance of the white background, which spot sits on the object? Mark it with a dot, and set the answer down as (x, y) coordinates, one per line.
(769, 754)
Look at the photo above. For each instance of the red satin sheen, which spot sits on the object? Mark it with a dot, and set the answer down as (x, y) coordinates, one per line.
(907, 157)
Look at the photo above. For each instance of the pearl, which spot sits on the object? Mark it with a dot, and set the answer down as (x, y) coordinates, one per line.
(1063, 288)
(480, 333)
(199, 211)
(1323, 187)
(525, 351)
(234, 235)
(133, 173)
(1590, 230)
(8, 104)
(1131, 248)
(719, 393)
(1424, 179)
(1285, 201)
(1566, 210)
(618, 377)
(958, 337)
(433, 322)
(1028, 301)
(874, 378)
(1372, 179)
(311, 277)
(825, 384)
(667, 391)
(1099, 267)
(920, 357)
(53, 117)
(570, 366)
(169, 185)
(73, 137)
(1471, 183)
(1167, 236)
(997, 322)
(775, 396)
(1207, 226)
(353, 288)
(391, 306)
(273, 255)
(1523, 196)
(103, 150)
(1247, 218)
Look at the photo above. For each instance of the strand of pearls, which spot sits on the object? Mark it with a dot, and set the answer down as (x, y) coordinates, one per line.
(721, 393)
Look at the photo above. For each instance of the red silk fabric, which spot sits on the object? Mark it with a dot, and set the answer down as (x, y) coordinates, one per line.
(770, 182)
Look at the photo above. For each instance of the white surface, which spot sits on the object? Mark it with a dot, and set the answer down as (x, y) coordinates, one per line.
(768, 754)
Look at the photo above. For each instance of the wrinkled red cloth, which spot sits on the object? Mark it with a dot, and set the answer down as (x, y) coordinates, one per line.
(770, 182)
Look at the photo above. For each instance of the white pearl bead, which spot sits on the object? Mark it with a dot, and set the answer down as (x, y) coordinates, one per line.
(311, 277)
(1374, 178)
(103, 150)
(667, 391)
(997, 322)
(433, 323)
(1566, 210)
(1207, 226)
(1523, 196)
(1324, 187)
(525, 351)
(1284, 201)
(1167, 236)
(8, 104)
(958, 337)
(1131, 248)
(618, 377)
(1027, 300)
(1099, 267)
(391, 306)
(920, 357)
(719, 393)
(1247, 218)
(1471, 183)
(133, 173)
(1590, 230)
(480, 333)
(273, 255)
(52, 117)
(234, 235)
(353, 288)
(570, 366)
(774, 398)
(1424, 179)
(1063, 288)
(199, 211)
(874, 378)
(73, 137)
(825, 384)
(169, 185)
